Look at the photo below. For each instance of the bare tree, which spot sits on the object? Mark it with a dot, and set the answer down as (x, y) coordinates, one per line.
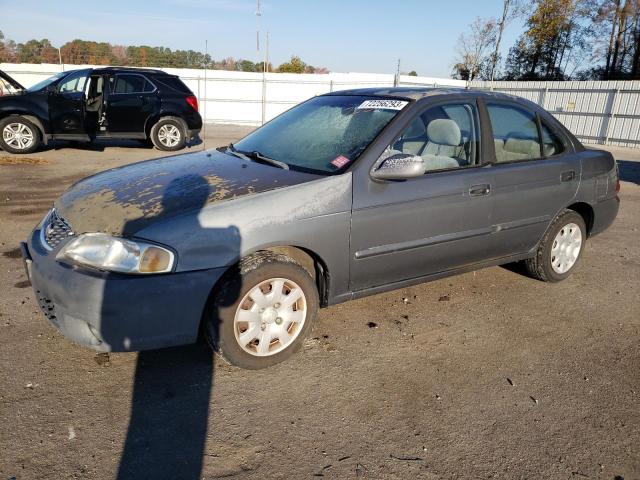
(472, 48)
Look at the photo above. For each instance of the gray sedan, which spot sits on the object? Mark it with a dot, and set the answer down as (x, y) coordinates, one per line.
(345, 195)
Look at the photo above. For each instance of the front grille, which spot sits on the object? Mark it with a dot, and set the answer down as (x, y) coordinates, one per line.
(55, 229)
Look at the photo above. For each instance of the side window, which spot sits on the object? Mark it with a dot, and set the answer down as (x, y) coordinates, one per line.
(126, 83)
(551, 143)
(445, 136)
(515, 133)
(75, 82)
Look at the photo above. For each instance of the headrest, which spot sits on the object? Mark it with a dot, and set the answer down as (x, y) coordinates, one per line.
(444, 132)
(522, 146)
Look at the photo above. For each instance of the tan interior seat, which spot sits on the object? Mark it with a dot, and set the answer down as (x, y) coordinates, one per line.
(445, 139)
(521, 149)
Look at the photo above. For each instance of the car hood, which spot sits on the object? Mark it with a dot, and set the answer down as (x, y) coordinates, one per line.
(127, 199)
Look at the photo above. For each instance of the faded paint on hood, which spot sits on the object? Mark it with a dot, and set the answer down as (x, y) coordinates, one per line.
(127, 199)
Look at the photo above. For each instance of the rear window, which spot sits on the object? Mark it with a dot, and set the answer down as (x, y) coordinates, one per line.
(130, 83)
(174, 83)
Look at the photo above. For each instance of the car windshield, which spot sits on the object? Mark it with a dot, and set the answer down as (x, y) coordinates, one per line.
(323, 135)
(46, 83)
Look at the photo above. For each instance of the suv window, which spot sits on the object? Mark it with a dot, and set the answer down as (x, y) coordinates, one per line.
(75, 82)
(130, 83)
(445, 136)
(515, 133)
(175, 83)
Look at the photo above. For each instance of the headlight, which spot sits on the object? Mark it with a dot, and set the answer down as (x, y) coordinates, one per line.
(104, 252)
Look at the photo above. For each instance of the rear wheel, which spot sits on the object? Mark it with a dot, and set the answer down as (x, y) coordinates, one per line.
(262, 312)
(168, 134)
(560, 248)
(19, 135)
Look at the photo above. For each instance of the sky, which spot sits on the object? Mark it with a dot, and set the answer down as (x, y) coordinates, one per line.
(342, 35)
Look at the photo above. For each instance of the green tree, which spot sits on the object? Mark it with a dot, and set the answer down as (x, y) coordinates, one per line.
(295, 65)
(619, 22)
(557, 35)
(246, 66)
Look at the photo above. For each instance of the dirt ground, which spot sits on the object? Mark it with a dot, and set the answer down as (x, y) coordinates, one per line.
(484, 375)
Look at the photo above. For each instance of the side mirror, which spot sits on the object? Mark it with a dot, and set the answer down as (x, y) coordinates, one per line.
(400, 167)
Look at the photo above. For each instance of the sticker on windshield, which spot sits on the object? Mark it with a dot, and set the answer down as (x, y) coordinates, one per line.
(382, 104)
(340, 161)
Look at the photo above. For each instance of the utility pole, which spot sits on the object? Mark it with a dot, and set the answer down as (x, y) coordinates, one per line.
(264, 79)
(396, 81)
(501, 25)
(204, 101)
(264, 76)
(266, 54)
(258, 15)
(60, 59)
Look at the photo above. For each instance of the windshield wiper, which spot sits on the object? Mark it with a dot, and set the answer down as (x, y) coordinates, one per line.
(231, 150)
(256, 157)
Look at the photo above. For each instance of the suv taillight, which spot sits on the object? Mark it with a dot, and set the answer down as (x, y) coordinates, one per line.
(193, 101)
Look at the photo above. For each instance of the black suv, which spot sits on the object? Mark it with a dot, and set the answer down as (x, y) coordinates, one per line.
(87, 104)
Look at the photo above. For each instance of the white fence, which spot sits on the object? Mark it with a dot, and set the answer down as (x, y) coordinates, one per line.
(247, 98)
(596, 112)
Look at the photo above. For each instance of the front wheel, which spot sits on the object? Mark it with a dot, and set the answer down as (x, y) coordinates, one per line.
(262, 311)
(168, 134)
(560, 248)
(19, 135)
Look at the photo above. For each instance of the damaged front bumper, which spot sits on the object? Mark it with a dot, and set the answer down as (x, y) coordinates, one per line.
(112, 312)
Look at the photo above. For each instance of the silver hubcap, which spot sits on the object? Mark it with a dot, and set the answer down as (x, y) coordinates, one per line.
(18, 136)
(169, 135)
(566, 248)
(270, 317)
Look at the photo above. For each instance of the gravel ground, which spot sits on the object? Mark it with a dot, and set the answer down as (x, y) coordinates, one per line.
(489, 374)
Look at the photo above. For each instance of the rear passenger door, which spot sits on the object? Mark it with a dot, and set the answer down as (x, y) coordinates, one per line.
(535, 175)
(132, 100)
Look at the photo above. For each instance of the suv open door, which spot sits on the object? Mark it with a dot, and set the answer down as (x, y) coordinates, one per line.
(8, 85)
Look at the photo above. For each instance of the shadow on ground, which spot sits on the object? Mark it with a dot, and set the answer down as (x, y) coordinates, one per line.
(169, 414)
(102, 145)
(167, 429)
(629, 171)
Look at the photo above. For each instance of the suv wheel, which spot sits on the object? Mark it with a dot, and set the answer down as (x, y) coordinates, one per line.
(19, 135)
(560, 248)
(168, 134)
(262, 312)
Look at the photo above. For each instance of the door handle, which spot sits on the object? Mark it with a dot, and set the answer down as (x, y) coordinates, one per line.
(567, 176)
(480, 190)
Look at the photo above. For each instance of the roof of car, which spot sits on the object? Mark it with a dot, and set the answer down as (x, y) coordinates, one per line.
(417, 93)
(130, 70)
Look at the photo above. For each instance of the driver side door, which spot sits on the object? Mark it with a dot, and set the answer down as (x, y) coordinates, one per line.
(414, 228)
(67, 108)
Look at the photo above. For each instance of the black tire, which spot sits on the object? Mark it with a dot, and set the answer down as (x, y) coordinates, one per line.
(540, 266)
(28, 126)
(219, 325)
(157, 137)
